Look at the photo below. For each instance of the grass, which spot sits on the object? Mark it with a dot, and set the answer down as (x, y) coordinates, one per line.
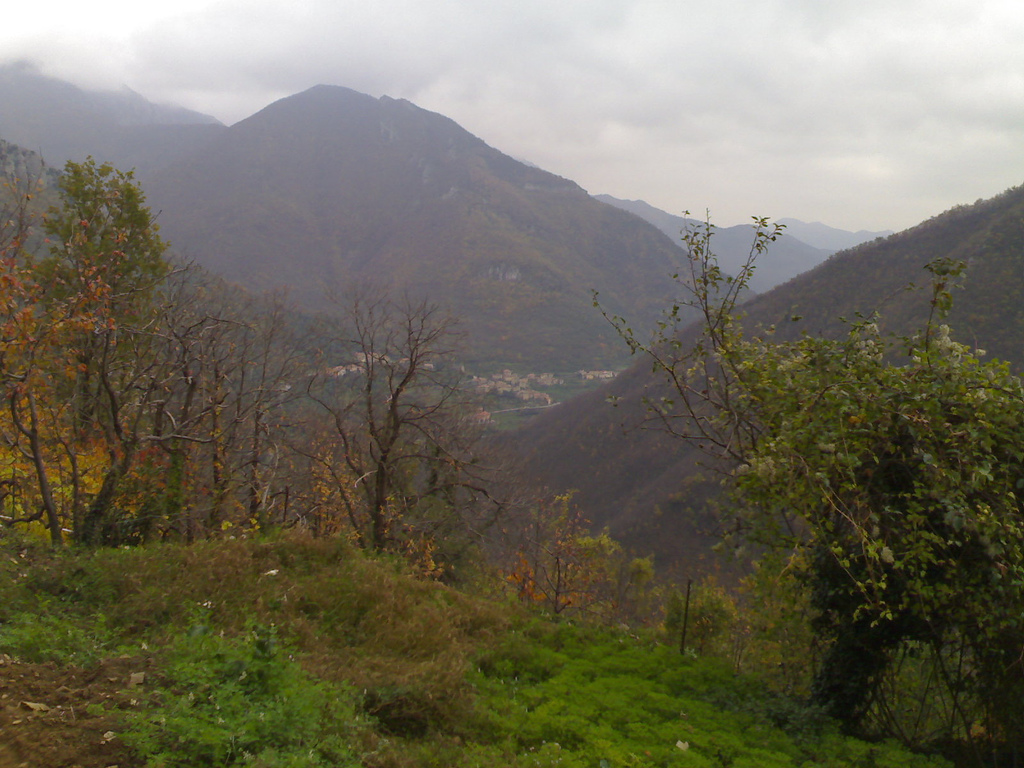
(299, 652)
(243, 700)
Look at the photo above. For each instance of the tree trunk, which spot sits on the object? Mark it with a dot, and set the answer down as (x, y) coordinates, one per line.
(42, 475)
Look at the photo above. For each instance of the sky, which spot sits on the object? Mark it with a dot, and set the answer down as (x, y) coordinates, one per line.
(866, 114)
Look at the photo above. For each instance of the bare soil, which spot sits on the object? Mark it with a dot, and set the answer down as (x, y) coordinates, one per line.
(66, 717)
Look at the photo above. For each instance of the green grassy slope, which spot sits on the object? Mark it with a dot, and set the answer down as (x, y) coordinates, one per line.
(295, 652)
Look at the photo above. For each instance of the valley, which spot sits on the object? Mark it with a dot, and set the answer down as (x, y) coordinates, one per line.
(343, 420)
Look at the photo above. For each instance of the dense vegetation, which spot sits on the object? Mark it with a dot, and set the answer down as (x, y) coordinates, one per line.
(302, 652)
(882, 474)
(624, 471)
(144, 400)
(147, 406)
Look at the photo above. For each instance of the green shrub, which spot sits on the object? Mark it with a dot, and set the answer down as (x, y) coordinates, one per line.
(243, 701)
(55, 637)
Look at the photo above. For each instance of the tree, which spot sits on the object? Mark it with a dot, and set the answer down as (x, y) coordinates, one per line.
(210, 438)
(106, 260)
(558, 562)
(26, 337)
(104, 366)
(141, 398)
(397, 453)
(890, 470)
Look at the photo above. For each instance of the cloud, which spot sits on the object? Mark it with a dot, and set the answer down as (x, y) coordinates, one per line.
(874, 114)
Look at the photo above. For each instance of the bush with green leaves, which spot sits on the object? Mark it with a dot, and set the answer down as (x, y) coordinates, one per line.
(243, 701)
(889, 470)
(901, 483)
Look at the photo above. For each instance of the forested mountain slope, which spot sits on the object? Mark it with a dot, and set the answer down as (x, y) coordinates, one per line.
(331, 187)
(647, 488)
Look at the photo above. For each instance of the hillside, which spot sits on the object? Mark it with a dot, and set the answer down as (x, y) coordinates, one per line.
(786, 258)
(302, 652)
(332, 187)
(61, 122)
(647, 488)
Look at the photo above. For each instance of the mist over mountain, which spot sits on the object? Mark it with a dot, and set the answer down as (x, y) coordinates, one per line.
(63, 122)
(652, 491)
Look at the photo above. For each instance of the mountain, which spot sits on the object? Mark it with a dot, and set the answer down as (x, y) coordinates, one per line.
(332, 187)
(63, 122)
(786, 258)
(652, 492)
(829, 238)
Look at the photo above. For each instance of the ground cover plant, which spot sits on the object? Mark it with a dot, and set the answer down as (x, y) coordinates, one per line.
(302, 652)
(243, 700)
(586, 696)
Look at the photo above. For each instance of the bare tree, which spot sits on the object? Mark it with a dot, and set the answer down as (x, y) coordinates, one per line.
(397, 449)
(235, 361)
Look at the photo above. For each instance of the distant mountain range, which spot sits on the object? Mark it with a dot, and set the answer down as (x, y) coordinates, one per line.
(802, 247)
(331, 187)
(785, 258)
(829, 238)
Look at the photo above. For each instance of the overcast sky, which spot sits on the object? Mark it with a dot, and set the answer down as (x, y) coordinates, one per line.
(873, 114)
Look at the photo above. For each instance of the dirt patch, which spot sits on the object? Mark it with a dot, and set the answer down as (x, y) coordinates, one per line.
(66, 717)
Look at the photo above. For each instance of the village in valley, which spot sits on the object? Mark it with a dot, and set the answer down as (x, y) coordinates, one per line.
(508, 391)
(514, 396)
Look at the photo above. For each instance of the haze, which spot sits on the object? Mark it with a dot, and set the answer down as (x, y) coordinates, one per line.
(870, 115)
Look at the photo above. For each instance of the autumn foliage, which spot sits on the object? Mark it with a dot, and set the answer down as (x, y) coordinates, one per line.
(144, 399)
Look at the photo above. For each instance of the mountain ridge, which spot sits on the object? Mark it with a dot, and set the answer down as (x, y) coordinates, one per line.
(784, 259)
(362, 189)
(819, 235)
(61, 121)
